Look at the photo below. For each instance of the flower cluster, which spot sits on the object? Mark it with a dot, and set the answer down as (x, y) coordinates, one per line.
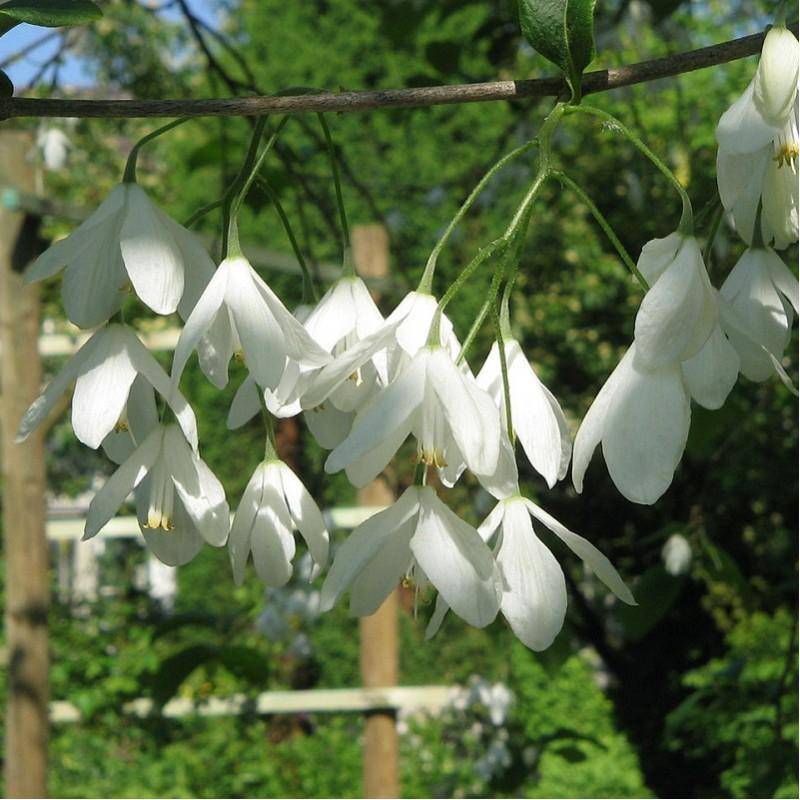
(366, 384)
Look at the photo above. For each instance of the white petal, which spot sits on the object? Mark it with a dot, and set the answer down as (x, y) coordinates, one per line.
(45, 402)
(177, 546)
(84, 236)
(199, 489)
(200, 320)
(298, 343)
(456, 561)
(383, 572)
(775, 84)
(107, 501)
(368, 466)
(102, 388)
(261, 336)
(389, 415)
(657, 255)
(678, 312)
(329, 426)
(198, 268)
(245, 405)
(334, 316)
(216, 347)
(784, 281)
(152, 257)
(306, 516)
(471, 414)
(537, 422)
(591, 429)
(364, 543)
(333, 375)
(535, 595)
(504, 481)
(94, 285)
(645, 432)
(437, 618)
(368, 317)
(779, 215)
(587, 552)
(150, 369)
(743, 128)
(243, 522)
(489, 526)
(740, 180)
(272, 543)
(712, 373)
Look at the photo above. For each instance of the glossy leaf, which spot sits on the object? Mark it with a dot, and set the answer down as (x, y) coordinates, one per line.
(48, 13)
(563, 32)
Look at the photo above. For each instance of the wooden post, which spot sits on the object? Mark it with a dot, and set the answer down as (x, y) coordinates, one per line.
(379, 649)
(27, 594)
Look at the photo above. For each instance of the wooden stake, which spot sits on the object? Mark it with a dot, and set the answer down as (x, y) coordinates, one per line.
(26, 557)
(379, 648)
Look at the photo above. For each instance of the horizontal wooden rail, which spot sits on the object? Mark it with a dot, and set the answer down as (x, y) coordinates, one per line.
(400, 698)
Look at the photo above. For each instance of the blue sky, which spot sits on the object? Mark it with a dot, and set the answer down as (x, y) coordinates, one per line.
(73, 73)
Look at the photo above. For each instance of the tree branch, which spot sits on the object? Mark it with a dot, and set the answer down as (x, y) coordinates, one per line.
(599, 81)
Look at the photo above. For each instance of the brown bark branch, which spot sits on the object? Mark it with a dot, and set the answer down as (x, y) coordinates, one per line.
(328, 102)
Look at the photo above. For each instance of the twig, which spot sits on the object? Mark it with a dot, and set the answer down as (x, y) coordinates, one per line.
(599, 81)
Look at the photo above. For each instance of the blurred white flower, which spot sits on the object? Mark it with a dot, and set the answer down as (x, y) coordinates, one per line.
(127, 241)
(180, 502)
(420, 538)
(677, 555)
(273, 506)
(104, 370)
(55, 145)
(759, 145)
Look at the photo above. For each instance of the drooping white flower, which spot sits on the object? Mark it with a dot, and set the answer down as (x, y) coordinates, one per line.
(641, 418)
(55, 145)
(104, 370)
(536, 416)
(758, 145)
(677, 555)
(239, 313)
(274, 505)
(534, 599)
(127, 241)
(762, 294)
(679, 311)
(456, 423)
(180, 503)
(420, 538)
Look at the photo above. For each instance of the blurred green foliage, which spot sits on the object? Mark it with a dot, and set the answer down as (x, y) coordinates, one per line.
(693, 692)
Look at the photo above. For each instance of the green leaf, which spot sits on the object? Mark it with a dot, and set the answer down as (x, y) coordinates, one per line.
(6, 87)
(48, 13)
(563, 32)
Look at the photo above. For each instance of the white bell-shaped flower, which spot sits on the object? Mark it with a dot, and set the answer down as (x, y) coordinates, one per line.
(641, 418)
(536, 416)
(454, 421)
(239, 314)
(679, 311)
(104, 370)
(534, 600)
(758, 145)
(127, 241)
(273, 506)
(421, 539)
(763, 296)
(180, 503)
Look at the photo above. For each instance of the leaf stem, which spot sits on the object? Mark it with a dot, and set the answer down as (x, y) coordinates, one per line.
(567, 182)
(347, 257)
(129, 175)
